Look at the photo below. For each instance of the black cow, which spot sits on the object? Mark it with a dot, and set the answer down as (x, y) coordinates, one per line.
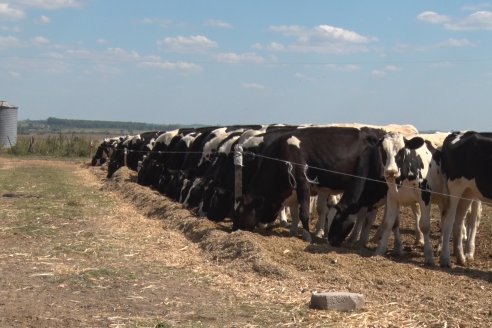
(105, 150)
(467, 159)
(153, 165)
(325, 157)
(131, 151)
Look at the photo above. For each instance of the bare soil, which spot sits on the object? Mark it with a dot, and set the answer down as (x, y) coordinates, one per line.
(84, 251)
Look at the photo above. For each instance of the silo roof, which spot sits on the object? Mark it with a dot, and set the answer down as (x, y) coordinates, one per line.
(5, 105)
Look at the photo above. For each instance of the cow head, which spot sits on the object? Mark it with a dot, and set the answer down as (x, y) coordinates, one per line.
(221, 204)
(393, 148)
(341, 226)
(117, 160)
(244, 217)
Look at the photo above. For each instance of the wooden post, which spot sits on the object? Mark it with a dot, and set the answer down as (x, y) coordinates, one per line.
(238, 174)
(31, 145)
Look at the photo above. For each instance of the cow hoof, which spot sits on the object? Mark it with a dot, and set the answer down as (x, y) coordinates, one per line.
(469, 257)
(379, 252)
(320, 233)
(284, 223)
(293, 231)
(461, 261)
(306, 236)
(445, 263)
(429, 262)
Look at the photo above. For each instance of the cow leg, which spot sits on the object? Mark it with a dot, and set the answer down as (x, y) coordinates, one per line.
(398, 245)
(424, 225)
(472, 223)
(294, 215)
(283, 217)
(462, 208)
(322, 210)
(447, 226)
(303, 199)
(366, 229)
(391, 212)
(419, 237)
(360, 223)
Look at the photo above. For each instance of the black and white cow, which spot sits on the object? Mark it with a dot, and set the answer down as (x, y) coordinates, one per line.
(325, 157)
(131, 151)
(212, 191)
(105, 150)
(467, 159)
(210, 167)
(414, 176)
(154, 163)
(413, 173)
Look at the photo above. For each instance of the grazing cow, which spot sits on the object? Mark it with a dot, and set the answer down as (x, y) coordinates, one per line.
(467, 158)
(212, 166)
(131, 151)
(153, 165)
(105, 150)
(321, 157)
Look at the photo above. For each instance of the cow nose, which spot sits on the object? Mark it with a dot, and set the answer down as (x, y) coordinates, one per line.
(391, 173)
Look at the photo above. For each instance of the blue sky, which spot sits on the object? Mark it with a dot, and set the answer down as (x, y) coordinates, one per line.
(426, 63)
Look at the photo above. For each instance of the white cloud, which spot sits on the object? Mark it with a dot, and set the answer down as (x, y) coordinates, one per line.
(433, 18)
(456, 43)
(304, 77)
(252, 85)
(101, 41)
(121, 54)
(218, 23)
(14, 29)
(378, 72)
(7, 12)
(344, 67)
(157, 21)
(275, 46)
(340, 34)
(442, 64)
(479, 20)
(10, 42)
(385, 70)
(234, 58)
(14, 74)
(321, 39)
(476, 7)
(157, 63)
(50, 4)
(40, 41)
(185, 44)
(43, 20)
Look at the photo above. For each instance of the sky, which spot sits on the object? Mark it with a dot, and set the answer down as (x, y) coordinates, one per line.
(426, 63)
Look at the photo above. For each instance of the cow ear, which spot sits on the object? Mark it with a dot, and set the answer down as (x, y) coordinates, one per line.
(414, 143)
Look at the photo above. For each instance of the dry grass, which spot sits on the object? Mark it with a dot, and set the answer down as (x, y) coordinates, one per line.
(400, 292)
(132, 258)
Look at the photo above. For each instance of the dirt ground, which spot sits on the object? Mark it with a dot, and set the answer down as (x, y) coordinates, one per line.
(79, 250)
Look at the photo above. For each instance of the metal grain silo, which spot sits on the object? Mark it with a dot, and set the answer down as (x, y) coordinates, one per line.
(8, 124)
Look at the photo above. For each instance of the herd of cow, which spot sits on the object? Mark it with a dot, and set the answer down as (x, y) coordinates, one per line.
(253, 173)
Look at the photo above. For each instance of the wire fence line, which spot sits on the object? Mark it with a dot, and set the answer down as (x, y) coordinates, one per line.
(306, 166)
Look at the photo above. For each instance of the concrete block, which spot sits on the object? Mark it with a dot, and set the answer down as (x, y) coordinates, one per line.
(340, 301)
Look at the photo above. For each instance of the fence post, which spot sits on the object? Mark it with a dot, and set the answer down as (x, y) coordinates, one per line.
(238, 173)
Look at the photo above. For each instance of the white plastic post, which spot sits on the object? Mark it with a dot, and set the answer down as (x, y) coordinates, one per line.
(238, 172)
